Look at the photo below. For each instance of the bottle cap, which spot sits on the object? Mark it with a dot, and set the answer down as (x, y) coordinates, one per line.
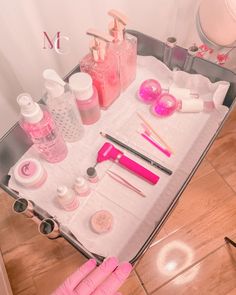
(80, 181)
(82, 85)
(171, 42)
(53, 83)
(117, 26)
(29, 172)
(30, 110)
(91, 172)
(193, 50)
(62, 191)
(192, 106)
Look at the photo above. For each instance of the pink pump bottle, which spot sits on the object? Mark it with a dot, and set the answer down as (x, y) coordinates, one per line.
(125, 47)
(37, 122)
(101, 64)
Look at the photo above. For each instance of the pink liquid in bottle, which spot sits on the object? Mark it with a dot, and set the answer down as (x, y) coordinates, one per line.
(89, 109)
(37, 122)
(86, 97)
(105, 77)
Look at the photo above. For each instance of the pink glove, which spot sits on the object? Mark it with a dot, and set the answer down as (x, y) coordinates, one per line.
(91, 280)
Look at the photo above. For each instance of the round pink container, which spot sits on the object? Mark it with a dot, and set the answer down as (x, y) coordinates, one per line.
(101, 222)
(30, 173)
(165, 105)
(149, 91)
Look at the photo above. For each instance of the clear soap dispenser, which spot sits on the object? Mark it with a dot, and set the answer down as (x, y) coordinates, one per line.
(101, 64)
(125, 47)
(61, 103)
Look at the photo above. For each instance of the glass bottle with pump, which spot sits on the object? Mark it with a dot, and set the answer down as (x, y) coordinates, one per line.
(61, 103)
(101, 64)
(38, 123)
(125, 46)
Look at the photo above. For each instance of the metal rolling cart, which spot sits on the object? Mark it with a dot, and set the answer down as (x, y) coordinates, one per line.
(14, 143)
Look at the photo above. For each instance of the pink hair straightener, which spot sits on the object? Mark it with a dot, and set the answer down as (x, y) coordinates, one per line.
(109, 152)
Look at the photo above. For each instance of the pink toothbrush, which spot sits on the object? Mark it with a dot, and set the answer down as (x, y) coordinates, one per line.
(151, 129)
(159, 147)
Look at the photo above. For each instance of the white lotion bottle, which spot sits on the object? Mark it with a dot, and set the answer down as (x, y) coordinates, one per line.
(61, 103)
(67, 198)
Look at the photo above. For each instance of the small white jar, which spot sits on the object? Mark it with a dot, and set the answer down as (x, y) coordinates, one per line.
(30, 173)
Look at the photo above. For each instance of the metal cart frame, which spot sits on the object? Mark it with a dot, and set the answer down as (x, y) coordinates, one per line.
(176, 58)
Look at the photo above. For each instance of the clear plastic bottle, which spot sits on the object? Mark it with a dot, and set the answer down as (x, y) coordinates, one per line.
(86, 96)
(38, 123)
(61, 103)
(101, 64)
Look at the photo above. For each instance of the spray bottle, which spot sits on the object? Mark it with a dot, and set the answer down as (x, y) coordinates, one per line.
(38, 123)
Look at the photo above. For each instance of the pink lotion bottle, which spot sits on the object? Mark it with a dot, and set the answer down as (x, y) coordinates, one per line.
(125, 47)
(37, 122)
(86, 95)
(101, 64)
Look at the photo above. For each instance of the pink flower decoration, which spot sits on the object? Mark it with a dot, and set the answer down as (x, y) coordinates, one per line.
(222, 58)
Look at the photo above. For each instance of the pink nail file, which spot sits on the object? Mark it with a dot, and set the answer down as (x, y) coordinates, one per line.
(109, 152)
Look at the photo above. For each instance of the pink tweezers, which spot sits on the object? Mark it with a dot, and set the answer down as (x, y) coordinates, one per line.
(121, 180)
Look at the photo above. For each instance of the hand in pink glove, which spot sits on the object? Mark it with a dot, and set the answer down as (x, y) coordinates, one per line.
(91, 280)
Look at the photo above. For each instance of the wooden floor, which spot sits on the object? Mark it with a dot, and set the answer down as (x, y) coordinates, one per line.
(189, 256)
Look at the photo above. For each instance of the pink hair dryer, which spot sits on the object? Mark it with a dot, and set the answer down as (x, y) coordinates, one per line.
(109, 152)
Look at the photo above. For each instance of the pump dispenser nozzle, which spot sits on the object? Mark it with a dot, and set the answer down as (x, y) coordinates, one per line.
(53, 83)
(117, 26)
(99, 44)
(30, 110)
(51, 75)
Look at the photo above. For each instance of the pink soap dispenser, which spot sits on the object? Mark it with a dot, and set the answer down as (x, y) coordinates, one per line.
(125, 47)
(38, 123)
(101, 64)
(86, 95)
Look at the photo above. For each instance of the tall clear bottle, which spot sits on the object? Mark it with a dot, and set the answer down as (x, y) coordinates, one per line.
(39, 125)
(125, 47)
(101, 64)
(61, 103)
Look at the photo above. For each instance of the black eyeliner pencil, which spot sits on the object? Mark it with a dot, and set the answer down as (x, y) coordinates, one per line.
(145, 158)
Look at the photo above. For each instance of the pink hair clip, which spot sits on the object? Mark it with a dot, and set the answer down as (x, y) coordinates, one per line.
(204, 50)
